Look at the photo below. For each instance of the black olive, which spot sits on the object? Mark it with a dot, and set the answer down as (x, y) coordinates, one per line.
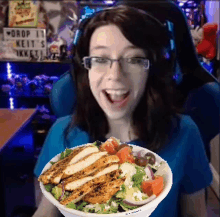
(151, 158)
(154, 171)
(141, 161)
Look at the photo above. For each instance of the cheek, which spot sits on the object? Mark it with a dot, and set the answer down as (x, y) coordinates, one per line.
(91, 82)
(94, 81)
(139, 84)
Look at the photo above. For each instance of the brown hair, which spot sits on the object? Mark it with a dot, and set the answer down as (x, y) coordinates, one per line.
(153, 115)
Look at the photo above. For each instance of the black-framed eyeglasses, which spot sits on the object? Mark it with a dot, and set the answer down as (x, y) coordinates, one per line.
(127, 64)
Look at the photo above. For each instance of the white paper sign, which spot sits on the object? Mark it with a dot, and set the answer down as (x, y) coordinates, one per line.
(30, 42)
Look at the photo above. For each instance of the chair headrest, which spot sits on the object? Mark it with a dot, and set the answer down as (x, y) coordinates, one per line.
(63, 96)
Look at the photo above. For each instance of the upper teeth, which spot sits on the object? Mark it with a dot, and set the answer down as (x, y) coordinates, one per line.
(116, 92)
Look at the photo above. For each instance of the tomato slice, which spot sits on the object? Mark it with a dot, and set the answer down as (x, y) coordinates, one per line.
(124, 155)
(131, 158)
(126, 149)
(114, 142)
(109, 147)
(155, 186)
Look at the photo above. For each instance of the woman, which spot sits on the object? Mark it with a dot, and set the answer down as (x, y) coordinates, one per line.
(125, 89)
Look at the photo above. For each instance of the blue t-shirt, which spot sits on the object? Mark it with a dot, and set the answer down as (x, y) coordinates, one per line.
(184, 153)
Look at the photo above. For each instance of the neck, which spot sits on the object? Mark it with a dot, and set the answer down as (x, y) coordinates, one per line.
(120, 129)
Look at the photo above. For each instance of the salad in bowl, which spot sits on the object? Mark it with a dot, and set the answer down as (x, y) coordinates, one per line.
(106, 178)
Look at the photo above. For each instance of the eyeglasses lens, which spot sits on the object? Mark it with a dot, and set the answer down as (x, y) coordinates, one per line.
(103, 64)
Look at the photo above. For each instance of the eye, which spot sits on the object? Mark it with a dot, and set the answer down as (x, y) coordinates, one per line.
(134, 60)
(100, 60)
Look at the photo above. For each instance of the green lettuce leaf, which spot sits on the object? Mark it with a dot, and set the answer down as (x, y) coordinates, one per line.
(71, 205)
(48, 187)
(127, 207)
(138, 177)
(57, 192)
(66, 153)
(81, 206)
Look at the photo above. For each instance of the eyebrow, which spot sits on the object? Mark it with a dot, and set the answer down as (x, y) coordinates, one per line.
(98, 47)
(105, 47)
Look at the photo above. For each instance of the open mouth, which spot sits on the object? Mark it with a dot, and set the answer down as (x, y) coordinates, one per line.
(116, 97)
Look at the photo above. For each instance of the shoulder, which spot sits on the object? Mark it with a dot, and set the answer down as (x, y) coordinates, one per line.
(182, 124)
(76, 137)
(184, 130)
(57, 130)
(62, 122)
(190, 135)
(53, 143)
(187, 123)
(55, 135)
(60, 125)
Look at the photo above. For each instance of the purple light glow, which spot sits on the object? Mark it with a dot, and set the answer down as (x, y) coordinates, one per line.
(109, 2)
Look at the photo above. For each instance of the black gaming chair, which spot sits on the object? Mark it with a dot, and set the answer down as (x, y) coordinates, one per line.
(199, 90)
(196, 83)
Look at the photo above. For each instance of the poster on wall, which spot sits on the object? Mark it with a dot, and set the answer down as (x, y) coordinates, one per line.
(29, 43)
(23, 13)
(58, 19)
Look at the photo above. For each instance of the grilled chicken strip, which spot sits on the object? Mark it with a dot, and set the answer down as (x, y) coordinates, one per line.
(104, 192)
(95, 167)
(91, 185)
(80, 165)
(70, 186)
(76, 155)
(45, 177)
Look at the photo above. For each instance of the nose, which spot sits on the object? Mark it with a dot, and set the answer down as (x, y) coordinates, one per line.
(115, 71)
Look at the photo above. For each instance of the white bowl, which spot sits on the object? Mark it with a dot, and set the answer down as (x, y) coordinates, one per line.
(143, 211)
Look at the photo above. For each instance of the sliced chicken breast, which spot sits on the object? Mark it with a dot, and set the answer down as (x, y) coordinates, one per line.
(85, 152)
(82, 164)
(77, 194)
(104, 192)
(76, 155)
(95, 167)
(45, 177)
(89, 186)
(79, 182)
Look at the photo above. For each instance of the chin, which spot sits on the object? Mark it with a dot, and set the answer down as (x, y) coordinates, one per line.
(115, 115)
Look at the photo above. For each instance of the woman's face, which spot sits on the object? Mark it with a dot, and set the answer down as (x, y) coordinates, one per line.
(116, 89)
